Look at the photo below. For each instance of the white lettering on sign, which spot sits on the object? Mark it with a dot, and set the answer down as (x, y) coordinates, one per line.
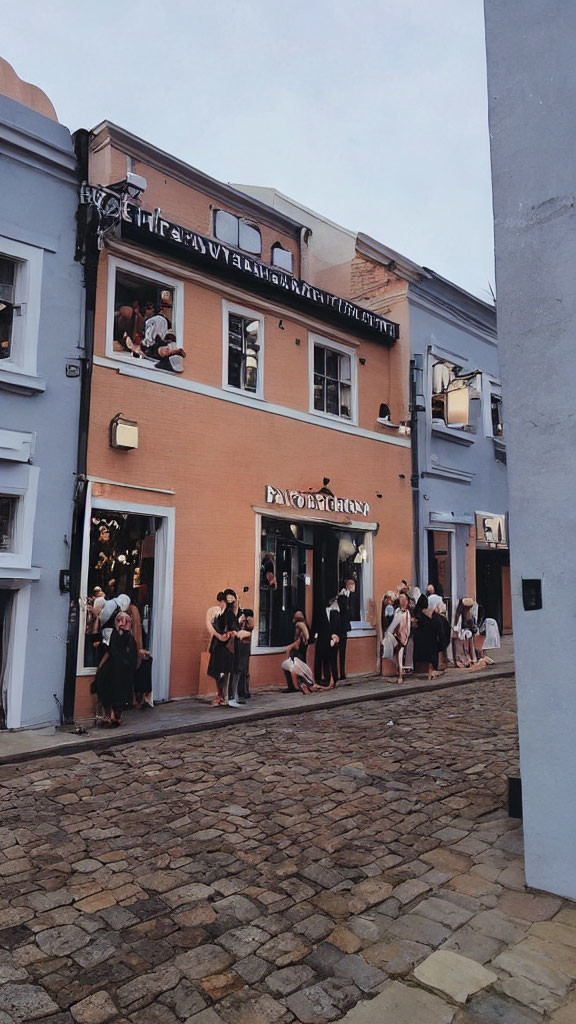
(315, 501)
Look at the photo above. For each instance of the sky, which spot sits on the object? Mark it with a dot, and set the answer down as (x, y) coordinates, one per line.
(371, 112)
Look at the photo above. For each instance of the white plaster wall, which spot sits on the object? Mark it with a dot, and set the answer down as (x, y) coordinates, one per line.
(532, 96)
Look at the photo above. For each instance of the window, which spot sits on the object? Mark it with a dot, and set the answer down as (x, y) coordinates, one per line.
(8, 509)
(243, 342)
(238, 232)
(333, 381)
(496, 414)
(282, 258)
(20, 293)
(303, 566)
(450, 395)
(8, 270)
(143, 318)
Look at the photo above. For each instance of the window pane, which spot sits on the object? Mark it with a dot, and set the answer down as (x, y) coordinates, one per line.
(226, 227)
(234, 367)
(250, 239)
(282, 258)
(319, 359)
(8, 506)
(319, 392)
(345, 368)
(345, 401)
(7, 277)
(496, 410)
(144, 321)
(332, 364)
(332, 397)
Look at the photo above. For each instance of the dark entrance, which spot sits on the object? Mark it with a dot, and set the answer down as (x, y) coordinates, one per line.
(489, 591)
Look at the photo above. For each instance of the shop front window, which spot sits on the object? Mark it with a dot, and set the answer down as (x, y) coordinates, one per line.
(144, 326)
(302, 567)
(121, 561)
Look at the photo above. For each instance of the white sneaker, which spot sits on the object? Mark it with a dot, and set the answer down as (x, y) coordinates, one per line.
(234, 704)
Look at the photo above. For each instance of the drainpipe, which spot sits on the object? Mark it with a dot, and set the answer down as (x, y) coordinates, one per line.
(87, 253)
(415, 369)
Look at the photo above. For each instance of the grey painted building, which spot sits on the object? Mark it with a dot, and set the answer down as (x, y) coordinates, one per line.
(40, 328)
(460, 506)
(532, 97)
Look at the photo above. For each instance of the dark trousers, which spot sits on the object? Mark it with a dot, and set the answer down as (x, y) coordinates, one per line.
(325, 662)
(342, 655)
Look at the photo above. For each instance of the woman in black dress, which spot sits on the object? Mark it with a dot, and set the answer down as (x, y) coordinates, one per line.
(114, 682)
(426, 637)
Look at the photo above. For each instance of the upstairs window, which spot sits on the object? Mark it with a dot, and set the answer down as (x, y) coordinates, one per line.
(237, 232)
(282, 258)
(8, 271)
(450, 395)
(332, 382)
(243, 351)
(8, 512)
(496, 415)
(145, 321)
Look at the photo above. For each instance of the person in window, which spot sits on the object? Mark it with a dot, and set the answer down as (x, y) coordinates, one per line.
(170, 355)
(129, 327)
(298, 674)
(345, 598)
(114, 680)
(327, 640)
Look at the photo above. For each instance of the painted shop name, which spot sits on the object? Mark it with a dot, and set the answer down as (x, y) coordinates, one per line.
(315, 501)
(116, 209)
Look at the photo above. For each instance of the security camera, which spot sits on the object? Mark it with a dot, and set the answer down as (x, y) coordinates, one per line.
(136, 184)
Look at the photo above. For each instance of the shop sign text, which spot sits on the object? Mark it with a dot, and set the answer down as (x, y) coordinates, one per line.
(315, 501)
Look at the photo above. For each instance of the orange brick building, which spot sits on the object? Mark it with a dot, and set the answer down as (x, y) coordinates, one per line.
(279, 390)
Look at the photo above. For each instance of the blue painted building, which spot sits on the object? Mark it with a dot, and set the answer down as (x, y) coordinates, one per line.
(41, 310)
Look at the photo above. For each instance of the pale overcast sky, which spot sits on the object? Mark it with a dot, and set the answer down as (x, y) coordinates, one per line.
(372, 112)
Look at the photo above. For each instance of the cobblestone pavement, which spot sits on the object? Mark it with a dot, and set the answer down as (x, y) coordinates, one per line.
(353, 864)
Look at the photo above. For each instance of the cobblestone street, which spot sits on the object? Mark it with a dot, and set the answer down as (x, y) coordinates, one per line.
(304, 869)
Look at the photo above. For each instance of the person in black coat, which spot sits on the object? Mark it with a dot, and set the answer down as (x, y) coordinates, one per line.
(345, 609)
(328, 631)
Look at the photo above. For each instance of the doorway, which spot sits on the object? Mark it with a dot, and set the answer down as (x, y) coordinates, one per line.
(6, 597)
(492, 577)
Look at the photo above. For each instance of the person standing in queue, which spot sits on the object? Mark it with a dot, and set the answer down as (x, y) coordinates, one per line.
(327, 640)
(344, 607)
(220, 663)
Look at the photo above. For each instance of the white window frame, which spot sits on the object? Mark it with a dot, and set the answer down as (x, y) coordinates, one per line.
(248, 314)
(160, 647)
(490, 386)
(334, 346)
(115, 264)
(21, 482)
(241, 220)
(23, 357)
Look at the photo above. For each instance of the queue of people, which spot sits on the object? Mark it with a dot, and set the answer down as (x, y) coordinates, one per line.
(416, 631)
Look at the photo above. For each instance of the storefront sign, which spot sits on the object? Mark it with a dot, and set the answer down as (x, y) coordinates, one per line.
(315, 501)
(121, 209)
(491, 531)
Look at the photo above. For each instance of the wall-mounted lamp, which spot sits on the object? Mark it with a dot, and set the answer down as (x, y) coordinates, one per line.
(362, 361)
(123, 433)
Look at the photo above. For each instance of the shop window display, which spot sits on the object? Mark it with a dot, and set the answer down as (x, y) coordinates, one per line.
(144, 322)
(303, 566)
(121, 561)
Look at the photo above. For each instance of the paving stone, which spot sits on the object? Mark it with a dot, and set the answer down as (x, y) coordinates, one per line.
(419, 929)
(148, 986)
(444, 912)
(252, 969)
(10, 972)
(408, 891)
(446, 860)
(60, 941)
(529, 964)
(554, 932)
(95, 1009)
(322, 1002)
(566, 916)
(324, 958)
(493, 1009)
(285, 949)
(528, 993)
(566, 1014)
(355, 969)
(243, 941)
(494, 923)
(527, 907)
(453, 975)
(474, 944)
(369, 892)
(474, 885)
(400, 1004)
(191, 893)
(218, 986)
(206, 1017)
(396, 958)
(344, 939)
(288, 979)
(25, 1002)
(201, 962)
(237, 907)
(315, 927)
(10, 938)
(118, 917)
(184, 1000)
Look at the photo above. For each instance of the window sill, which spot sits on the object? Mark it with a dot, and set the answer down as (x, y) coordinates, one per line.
(20, 381)
(457, 435)
(15, 577)
(332, 418)
(258, 397)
